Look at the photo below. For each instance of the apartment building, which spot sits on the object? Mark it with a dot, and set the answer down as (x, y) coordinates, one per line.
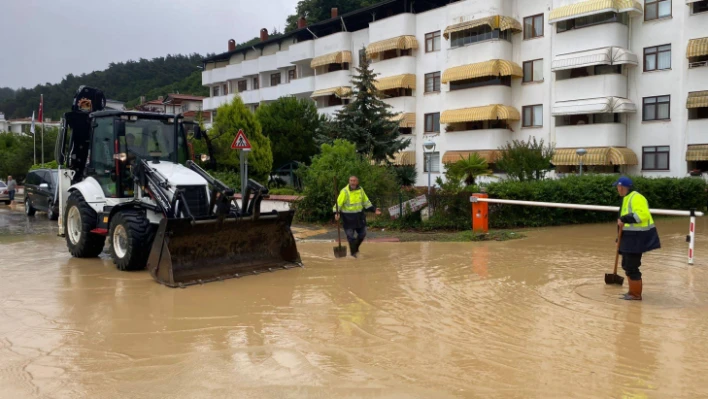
(625, 80)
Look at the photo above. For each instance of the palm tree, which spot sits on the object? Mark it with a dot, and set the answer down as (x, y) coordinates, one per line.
(471, 168)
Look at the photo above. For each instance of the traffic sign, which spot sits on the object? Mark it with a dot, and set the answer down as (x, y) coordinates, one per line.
(241, 142)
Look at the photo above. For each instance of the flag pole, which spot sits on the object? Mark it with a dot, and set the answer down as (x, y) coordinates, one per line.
(42, 100)
(34, 141)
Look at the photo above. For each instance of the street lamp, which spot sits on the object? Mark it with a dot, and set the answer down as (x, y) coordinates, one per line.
(581, 153)
(429, 147)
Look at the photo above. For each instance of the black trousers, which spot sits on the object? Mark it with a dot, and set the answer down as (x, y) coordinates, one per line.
(630, 265)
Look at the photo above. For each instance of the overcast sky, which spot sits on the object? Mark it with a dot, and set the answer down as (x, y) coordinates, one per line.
(44, 40)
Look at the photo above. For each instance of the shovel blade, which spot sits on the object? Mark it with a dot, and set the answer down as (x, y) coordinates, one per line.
(340, 252)
(611, 278)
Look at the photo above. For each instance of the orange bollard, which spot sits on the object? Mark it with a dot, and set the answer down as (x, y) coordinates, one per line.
(480, 215)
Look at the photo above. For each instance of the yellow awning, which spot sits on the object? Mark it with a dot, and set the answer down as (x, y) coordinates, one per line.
(490, 156)
(698, 152)
(480, 69)
(341, 91)
(404, 158)
(339, 57)
(592, 7)
(405, 81)
(495, 22)
(697, 99)
(598, 156)
(697, 47)
(485, 113)
(405, 120)
(396, 43)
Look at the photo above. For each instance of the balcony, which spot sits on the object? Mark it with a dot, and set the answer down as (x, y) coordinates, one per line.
(329, 111)
(401, 104)
(234, 72)
(333, 79)
(411, 146)
(216, 75)
(284, 90)
(251, 96)
(395, 66)
(398, 25)
(697, 131)
(212, 103)
(268, 63)
(593, 135)
(697, 78)
(496, 49)
(269, 93)
(302, 85)
(614, 85)
(597, 36)
(475, 139)
(250, 67)
(301, 51)
(329, 44)
(477, 96)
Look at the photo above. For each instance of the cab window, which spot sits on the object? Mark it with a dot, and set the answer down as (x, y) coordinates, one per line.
(102, 161)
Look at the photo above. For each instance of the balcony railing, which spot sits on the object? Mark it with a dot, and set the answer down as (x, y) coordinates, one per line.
(698, 64)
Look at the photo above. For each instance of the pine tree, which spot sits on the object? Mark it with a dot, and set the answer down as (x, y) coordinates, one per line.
(367, 121)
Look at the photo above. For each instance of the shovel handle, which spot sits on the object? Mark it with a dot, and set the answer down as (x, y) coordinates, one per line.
(617, 254)
(336, 204)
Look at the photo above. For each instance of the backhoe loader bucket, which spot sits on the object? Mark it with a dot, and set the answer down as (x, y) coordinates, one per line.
(186, 253)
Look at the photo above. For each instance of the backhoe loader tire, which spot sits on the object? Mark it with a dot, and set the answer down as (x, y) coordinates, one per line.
(79, 239)
(138, 234)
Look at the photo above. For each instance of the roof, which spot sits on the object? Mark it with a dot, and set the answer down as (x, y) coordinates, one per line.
(192, 114)
(354, 21)
(154, 102)
(187, 97)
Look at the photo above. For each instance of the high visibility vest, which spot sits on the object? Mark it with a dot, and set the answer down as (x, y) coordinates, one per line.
(637, 206)
(352, 201)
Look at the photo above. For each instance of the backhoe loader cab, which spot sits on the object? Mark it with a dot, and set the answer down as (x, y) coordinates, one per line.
(129, 177)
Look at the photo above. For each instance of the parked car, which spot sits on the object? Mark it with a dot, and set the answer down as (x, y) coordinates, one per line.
(4, 195)
(41, 193)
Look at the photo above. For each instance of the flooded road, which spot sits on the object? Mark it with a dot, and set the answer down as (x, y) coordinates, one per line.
(529, 318)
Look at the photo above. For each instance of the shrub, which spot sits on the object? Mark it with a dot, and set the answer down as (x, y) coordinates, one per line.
(662, 193)
(230, 178)
(525, 160)
(283, 191)
(406, 175)
(47, 165)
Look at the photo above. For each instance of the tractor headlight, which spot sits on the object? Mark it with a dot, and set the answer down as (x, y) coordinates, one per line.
(205, 157)
(121, 157)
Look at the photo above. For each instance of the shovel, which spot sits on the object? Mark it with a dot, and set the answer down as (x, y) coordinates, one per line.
(339, 251)
(614, 278)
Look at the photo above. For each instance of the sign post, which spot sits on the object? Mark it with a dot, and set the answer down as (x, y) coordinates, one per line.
(241, 143)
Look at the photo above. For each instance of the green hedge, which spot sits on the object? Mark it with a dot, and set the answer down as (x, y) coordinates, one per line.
(662, 193)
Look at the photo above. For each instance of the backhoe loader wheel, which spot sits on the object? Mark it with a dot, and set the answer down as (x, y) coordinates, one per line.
(80, 220)
(130, 239)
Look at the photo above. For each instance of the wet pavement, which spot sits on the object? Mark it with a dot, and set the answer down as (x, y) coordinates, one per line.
(529, 318)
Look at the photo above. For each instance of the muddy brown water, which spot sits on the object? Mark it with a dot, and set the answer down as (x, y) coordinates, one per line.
(529, 318)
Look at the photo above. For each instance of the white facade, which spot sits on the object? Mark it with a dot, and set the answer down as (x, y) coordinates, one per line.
(559, 85)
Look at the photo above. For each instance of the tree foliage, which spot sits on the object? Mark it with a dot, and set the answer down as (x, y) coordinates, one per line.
(367, 121)
(525, 160)
(17, 152)
(471, 168)
(320, 10)
(291, 125)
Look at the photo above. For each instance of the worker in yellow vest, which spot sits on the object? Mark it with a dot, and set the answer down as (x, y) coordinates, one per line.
(352, 203)
(639, 235)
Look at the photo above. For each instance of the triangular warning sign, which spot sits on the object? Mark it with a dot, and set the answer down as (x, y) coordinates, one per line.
(240, 142)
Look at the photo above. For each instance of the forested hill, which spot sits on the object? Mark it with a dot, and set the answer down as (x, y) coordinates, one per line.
(124, 81)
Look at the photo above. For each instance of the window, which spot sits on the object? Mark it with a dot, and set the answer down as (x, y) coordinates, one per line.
(533, 71)
(479, 82)
(292, 75)
(215, 91)
(478, 34)
(226, 88)
(102, 162)
(432, 82)
(656, 108)
(274, 79)
(432, 123)
(432, 42)
(478, 125)
(700, 6)
(399, 92)
(597, 19)
(256, 83)
(655, 9)
(533, 26)
(336, 67)
(698, 113)
(533, 116)
(655, 158)
(587, 119)
(657, 58)
(242, 85)
(432, 162)
(588, 71)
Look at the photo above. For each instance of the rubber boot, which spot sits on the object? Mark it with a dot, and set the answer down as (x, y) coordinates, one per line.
(353, 247)
(635, 291)
(359, 240)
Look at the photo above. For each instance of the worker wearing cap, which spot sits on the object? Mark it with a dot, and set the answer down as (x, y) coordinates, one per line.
(352, 203)
(638, 235)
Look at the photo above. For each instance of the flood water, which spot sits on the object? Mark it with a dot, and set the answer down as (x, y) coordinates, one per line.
(529, 318)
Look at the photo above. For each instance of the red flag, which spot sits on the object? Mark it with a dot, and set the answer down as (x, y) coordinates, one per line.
(41, 103)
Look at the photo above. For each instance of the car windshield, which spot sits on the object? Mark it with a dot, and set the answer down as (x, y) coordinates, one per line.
(147, 138)
(2, 185)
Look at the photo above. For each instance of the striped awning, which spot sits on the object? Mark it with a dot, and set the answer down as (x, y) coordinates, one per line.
(395, 43)
(490, 156)
(697, 47)
(481, 69)
(697, 99)
(341, 92)
(600, 105)
(405, 120)
(338, 57)
(495, 22)
(601, 56)
(598, 156)
(485, 113)
(405, 81)
(593, 7)
(404, 158)
(697, 152)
